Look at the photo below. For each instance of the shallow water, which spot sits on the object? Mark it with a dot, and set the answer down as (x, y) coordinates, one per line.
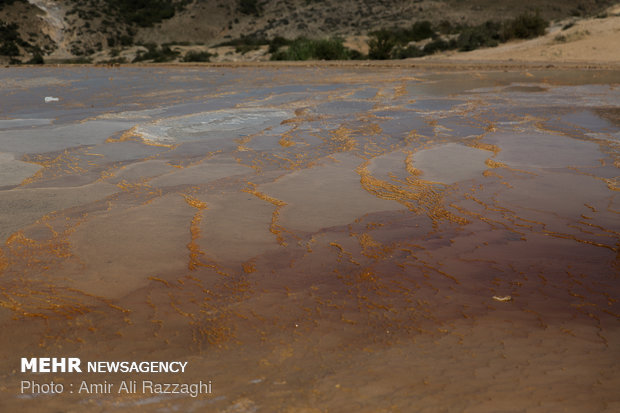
(314, 239)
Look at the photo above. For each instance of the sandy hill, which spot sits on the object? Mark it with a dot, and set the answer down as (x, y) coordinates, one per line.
(594, 40)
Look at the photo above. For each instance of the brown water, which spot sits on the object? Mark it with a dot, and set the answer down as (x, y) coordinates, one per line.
(314, 240)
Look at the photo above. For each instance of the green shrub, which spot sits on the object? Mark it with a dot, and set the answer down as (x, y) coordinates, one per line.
(250, 40)
(9, 39)
(380, 44)
(525, 26)
(78, 60)
(490, 34)
(146, 13)
(308, 49)
(393, 43)
(194, 56)
(126, 40)
(163, 54)
(244, 48)
(330, 49)
(250, 7)
(406, 52)
(117, 60)
(437, 45)
(7, 3)
(37, 59)
(484, 35)
(446, 27)
(277, 42)
(420, 30)
(356, 55)
(9, 49)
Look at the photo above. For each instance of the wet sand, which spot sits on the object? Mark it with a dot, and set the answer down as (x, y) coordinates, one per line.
(313, 239)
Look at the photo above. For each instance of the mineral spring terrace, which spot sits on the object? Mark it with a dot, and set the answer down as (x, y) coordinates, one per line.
(314, 239)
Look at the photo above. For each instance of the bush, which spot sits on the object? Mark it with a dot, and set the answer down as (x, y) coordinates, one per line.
(146, 13)
(393, 43)
(9, 39)
(163, 54)
(330, 49)
(525, 26)
(407, 52)
(244, 48)
(484, 35)
(277, 42)
(37, 59)
(126, 40)
(249, 7)
(9, 49)
(445, 27)
(115, 61)
(380, 44)
(490, 34)
(7, 3)
(250, 40)
(307, 49)
(194, 56)
(356, 55)
(77, 61)
(437, 45)
(420, 31)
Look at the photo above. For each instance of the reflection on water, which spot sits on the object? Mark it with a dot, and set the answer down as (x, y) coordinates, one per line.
(315, 239)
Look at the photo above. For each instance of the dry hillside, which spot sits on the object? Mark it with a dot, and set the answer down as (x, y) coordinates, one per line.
(102, 30)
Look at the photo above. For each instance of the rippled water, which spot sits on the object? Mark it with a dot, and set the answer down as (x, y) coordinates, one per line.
(315, 239)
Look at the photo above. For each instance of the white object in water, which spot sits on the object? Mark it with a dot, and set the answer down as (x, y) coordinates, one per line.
(502, 299)
(49, 99)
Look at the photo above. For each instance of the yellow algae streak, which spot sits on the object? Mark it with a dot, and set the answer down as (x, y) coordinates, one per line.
(64, 163)
(274, 228)
(133, 135)
(194, 249)
(342, 140)
(3, 263)
(417, 195)
(486, 147)
(412, 170)
(494, 164)
(249, 267)
(286, 140)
